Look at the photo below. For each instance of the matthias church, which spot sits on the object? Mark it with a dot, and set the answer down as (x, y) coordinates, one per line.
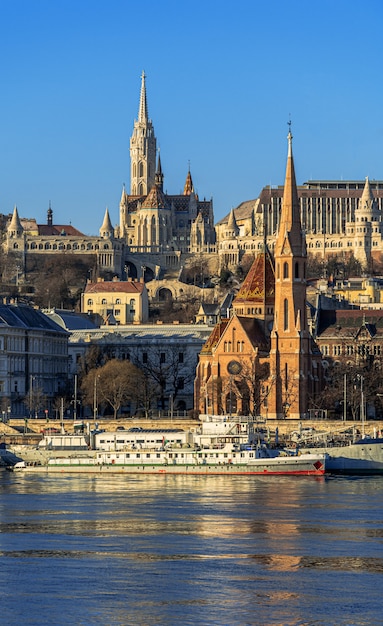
(155, 228)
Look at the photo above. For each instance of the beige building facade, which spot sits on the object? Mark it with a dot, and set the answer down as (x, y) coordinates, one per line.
(24, 237)
(116, 302)
(339, 218)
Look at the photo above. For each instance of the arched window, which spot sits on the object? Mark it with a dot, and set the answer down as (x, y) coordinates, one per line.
(285, 314)
(231, 403)
(285, 270)
(90, 302)
(118, 300)
(103, 301)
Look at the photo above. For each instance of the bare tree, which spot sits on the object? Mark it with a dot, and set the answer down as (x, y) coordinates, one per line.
(115, 384)
(35, 400)
(165, 368)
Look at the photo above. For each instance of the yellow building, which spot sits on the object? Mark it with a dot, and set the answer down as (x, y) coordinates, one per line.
(116, 302)
(365, 292)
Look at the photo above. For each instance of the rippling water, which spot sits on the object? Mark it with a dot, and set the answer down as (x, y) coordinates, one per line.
(174, 550)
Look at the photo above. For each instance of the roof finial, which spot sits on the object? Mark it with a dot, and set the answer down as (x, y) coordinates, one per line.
(289, 136)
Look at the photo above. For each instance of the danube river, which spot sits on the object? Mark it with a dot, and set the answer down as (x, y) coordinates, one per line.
(174, 550)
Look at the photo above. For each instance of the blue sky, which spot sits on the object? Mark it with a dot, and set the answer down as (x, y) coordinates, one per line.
(222, 81)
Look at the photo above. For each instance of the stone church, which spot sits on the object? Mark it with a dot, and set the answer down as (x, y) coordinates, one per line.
(263, 360)
(152, 221)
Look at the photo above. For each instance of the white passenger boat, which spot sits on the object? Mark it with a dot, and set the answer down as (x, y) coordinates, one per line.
(216, 445)
(215, 461)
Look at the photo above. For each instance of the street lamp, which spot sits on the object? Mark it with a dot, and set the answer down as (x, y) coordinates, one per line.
(362, 411)
(31, 379)
(95, 403)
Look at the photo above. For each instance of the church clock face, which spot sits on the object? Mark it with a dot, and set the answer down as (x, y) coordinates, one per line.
(234, 368)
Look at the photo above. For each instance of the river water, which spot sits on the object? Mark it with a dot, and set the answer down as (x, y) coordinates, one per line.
(174, 550)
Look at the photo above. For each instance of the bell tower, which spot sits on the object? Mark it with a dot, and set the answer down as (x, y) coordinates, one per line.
(290, 339)
(142, 149)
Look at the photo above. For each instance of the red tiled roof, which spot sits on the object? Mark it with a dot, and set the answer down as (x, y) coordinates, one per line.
(115, 286)
(59, 230)
(259, 284)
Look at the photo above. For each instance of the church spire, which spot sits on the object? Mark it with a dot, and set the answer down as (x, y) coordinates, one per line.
(143, 116)
(290, 341)
(142, 149)
(290, 221)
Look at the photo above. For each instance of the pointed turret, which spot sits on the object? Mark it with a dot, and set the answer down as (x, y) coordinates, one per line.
(106, 230)
(124, 196)
(366, 204)
(159, 177)
(366, 230)
(15, 228)
(189, 187)
(232, 229)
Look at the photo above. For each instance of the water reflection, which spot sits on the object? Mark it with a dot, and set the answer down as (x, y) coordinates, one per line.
(186, 550)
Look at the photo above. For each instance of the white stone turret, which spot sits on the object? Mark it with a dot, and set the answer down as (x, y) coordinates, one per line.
(106, 230)
(15, 228)
(367, 227)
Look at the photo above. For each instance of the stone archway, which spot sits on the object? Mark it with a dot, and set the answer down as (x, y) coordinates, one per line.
(165, 295)
(130, 270)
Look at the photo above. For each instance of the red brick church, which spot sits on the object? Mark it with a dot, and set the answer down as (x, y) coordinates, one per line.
(263, 360)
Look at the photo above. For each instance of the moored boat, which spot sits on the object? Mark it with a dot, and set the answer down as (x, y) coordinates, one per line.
(362, 457)
(214, 461)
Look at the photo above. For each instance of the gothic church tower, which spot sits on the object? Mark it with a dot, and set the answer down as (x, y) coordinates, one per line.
(142, 149)
(290, 357)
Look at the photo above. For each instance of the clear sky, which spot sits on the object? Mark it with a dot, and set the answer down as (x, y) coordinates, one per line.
(223, 79)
